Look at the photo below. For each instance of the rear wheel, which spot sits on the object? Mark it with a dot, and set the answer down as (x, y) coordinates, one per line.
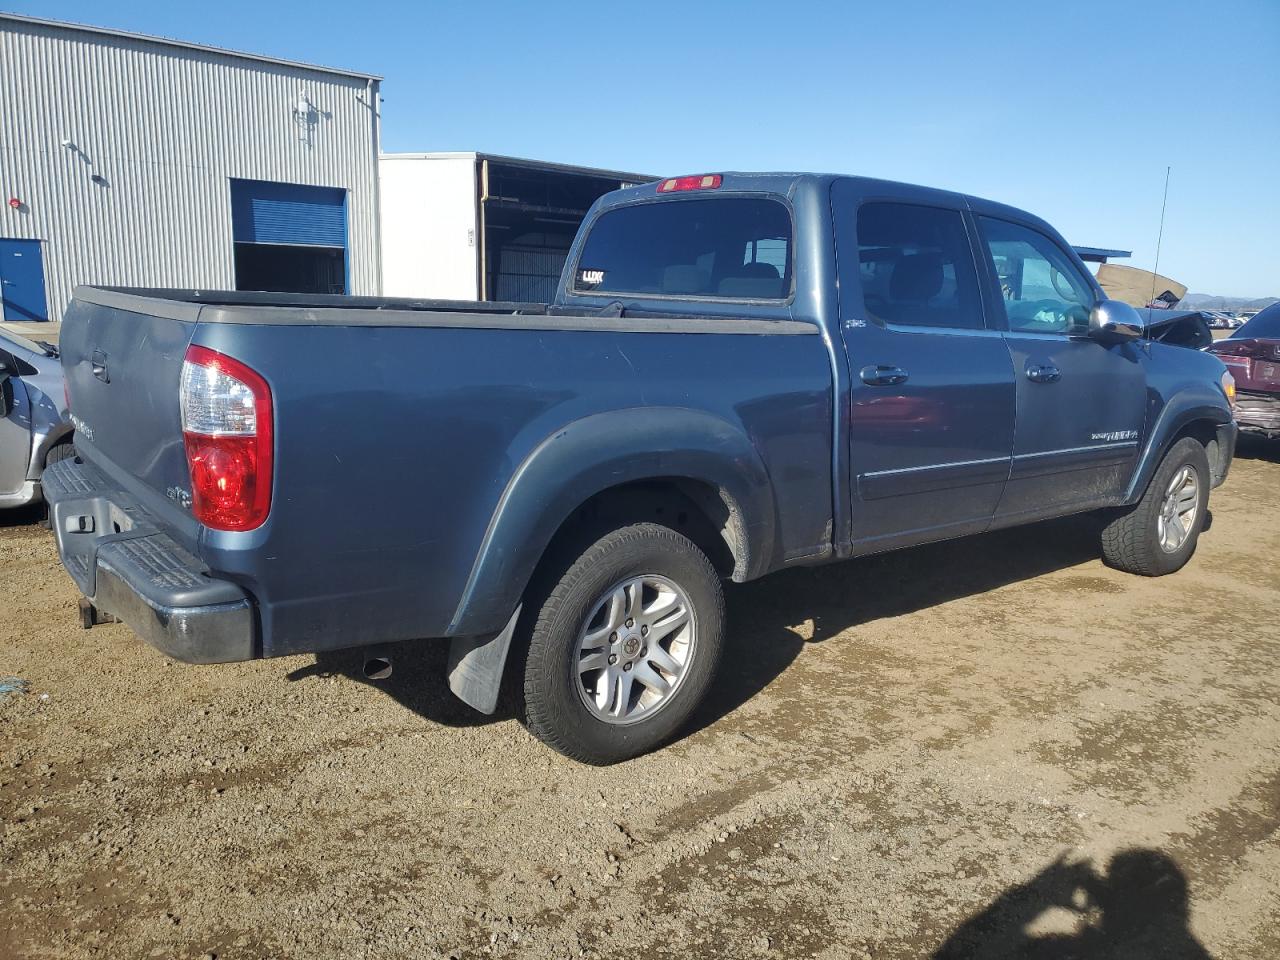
(624, 646)
(1159, 535)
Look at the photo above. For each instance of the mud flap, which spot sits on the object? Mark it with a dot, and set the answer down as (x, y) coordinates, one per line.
(476, 663)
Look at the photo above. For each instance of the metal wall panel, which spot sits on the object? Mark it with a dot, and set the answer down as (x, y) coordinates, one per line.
(121, 151)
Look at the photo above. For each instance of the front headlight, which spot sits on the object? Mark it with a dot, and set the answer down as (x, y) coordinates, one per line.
(1229, 388)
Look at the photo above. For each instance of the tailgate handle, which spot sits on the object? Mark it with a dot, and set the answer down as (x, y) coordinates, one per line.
(98, 362)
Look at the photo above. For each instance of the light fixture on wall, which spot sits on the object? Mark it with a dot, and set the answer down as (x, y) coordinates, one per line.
(305, 117)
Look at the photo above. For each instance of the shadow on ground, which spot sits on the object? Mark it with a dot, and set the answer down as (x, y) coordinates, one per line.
(22, 516)
(1138, 910)
(1257, 448)
(767, 618)
(418, 681)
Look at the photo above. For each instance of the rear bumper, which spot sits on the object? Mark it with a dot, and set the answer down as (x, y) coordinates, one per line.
(1258, 413)
(129, 567)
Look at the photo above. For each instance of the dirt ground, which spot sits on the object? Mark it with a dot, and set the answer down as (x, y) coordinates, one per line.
(992, 747)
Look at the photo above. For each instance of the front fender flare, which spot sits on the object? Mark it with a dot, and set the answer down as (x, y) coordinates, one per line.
(1200, 403)
(594, 454)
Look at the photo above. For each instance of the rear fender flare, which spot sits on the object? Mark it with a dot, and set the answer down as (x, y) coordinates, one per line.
(595, 454)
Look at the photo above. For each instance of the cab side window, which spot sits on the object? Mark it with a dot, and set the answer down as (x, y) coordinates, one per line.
(916, 266)
(1042, 288)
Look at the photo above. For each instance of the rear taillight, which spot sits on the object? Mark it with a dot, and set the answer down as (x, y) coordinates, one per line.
(709, 181)
(1231, 347)
(226, 428)
(1242, 365)
(1237, 354)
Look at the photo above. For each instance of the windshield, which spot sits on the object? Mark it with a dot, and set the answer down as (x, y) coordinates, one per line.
(1264, 324)
(730, 248)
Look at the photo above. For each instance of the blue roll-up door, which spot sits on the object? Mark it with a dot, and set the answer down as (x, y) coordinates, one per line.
(288, 213)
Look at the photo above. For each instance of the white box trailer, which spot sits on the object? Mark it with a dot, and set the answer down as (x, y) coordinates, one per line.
(473, 226)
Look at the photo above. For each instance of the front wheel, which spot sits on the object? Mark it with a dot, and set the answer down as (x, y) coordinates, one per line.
(1159, 534)
(624, 646)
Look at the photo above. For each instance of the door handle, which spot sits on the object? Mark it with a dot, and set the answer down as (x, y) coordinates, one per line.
(1043, 373)
(880, 375)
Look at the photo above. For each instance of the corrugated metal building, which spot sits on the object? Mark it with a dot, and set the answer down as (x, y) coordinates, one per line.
(137, 160)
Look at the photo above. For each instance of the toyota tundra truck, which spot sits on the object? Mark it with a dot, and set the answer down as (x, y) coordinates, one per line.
(738, 373)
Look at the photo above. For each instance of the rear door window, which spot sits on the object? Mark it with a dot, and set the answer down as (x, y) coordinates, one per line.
(916, 266)
(725, 248)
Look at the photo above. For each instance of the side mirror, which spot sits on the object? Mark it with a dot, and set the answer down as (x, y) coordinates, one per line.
(1112, 321)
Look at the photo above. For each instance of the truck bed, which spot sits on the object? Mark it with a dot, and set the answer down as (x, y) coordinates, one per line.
(401, 428)
(235, 306)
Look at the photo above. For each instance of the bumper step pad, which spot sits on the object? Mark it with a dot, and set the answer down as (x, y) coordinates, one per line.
(132, 570)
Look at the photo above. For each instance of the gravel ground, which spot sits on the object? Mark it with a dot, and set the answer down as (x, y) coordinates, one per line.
(991, 747)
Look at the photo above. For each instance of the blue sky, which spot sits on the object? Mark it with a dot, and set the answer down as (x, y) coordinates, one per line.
(1069, 109)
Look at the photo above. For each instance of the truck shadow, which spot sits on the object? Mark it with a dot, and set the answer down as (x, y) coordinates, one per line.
(771, 620)
(1139, 909)
(22, 516)
(418, 681)
(1257, 448)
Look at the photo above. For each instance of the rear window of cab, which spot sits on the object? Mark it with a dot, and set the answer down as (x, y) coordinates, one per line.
(1265, 323)
(722, 248)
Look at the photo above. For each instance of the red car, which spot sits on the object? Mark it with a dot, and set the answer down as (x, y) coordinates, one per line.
(1252, 354)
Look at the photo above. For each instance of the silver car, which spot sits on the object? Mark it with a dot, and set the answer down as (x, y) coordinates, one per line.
(34, 425)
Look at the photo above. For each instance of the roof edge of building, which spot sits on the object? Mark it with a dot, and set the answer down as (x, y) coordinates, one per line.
(184, 44)
(549, 165)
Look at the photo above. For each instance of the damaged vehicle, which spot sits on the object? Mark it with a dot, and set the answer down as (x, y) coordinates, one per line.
(1178, 328)
(1252, 354)
(739, 373)
(34, 429)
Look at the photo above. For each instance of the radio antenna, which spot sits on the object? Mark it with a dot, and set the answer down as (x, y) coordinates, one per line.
(1155, 271)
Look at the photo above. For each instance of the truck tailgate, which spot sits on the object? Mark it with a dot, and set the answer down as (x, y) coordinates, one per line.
(122, 369)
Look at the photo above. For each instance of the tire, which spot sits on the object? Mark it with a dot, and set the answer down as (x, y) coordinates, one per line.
(1133, 540)
(579, 710)
(62, 450)
(58, 452)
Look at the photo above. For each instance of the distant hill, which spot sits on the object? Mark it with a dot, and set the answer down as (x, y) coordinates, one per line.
(1205, 301)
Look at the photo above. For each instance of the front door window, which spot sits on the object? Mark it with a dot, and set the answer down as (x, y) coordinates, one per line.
(1042, 289)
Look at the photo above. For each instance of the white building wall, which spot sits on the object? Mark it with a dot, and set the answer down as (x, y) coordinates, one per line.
(166, 127)
(430, 226)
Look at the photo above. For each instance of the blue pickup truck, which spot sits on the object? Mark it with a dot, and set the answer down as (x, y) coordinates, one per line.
(739, 373)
